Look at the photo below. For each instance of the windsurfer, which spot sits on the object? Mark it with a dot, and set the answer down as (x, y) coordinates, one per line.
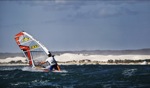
(52, 63)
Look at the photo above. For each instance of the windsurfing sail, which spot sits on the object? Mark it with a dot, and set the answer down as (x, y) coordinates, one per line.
(33, 50)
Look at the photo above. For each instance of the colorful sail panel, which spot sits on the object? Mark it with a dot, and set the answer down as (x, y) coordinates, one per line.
(33, 50)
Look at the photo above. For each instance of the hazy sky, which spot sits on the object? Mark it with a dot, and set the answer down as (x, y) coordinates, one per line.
(77, 25)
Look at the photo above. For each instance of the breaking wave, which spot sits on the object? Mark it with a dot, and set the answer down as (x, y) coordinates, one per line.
(30, 69)
(9, 68)
(129, 72)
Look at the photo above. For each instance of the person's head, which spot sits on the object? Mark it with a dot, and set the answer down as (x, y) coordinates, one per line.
(49, 55)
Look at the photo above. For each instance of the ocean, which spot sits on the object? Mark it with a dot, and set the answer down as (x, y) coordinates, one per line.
(77, 76)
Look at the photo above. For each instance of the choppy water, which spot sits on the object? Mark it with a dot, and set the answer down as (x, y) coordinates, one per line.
(73, 76)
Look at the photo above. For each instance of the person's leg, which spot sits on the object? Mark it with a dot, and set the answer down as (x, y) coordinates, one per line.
(51, 68)
(57, 67)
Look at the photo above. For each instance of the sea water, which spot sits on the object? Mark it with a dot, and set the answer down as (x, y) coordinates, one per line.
(77, 76)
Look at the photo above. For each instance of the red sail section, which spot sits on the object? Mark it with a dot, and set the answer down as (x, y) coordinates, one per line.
(17, 37)
(28, 54)
(25, 49)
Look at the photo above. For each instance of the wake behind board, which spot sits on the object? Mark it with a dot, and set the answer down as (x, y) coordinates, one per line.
(33, 50)
(39, 69)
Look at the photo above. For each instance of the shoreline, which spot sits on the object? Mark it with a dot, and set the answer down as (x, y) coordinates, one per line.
(82, 59)
(64, 63)
(13, 65)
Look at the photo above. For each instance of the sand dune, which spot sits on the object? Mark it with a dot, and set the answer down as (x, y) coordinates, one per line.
(70, 57)
(23, 59)
(77, 57)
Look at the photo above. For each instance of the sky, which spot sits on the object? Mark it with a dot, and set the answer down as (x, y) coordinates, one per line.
(63, 25)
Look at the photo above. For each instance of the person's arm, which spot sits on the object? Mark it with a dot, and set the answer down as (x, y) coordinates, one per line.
(43, 62)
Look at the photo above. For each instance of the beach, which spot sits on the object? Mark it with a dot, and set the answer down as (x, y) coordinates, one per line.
(81, 59)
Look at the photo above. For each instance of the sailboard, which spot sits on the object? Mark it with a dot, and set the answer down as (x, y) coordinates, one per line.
(33, 50)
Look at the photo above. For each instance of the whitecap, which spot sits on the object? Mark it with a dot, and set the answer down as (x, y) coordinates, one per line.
(30, 69)
(129, 72)
(9, 68)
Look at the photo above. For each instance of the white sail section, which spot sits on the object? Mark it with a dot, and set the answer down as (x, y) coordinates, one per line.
(33, 50)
